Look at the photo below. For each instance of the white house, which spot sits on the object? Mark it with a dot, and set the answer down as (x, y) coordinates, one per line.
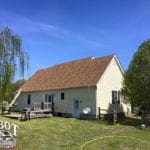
(76, 88)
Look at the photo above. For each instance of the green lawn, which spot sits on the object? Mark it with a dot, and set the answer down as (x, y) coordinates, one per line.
(72, 134)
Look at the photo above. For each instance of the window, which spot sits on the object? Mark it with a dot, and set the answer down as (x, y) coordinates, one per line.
(115, 97)
(29, 100)
(48, 98)
(62, 96)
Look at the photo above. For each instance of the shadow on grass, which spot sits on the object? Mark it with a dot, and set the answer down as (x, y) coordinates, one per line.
(130, 121)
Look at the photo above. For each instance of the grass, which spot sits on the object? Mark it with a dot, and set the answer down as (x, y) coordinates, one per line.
(72, 134)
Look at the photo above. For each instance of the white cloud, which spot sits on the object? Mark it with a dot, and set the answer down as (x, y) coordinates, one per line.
(30, 28)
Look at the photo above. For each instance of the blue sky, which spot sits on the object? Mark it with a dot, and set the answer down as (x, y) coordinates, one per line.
(56, 31)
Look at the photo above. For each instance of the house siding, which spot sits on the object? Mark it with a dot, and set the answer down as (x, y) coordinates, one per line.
(110, 80)
(85, 95)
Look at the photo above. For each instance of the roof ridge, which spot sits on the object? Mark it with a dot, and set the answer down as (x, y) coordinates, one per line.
(72, 61)
(67, 62)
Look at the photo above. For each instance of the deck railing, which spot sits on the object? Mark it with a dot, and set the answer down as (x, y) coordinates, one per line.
(38, 106)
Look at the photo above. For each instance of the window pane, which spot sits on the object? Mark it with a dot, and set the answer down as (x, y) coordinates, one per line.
(46, 98)
(62, 96)
(76, 104)
(49, 98)
(29, 100)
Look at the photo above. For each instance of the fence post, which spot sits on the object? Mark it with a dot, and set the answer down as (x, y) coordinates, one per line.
(114, 116)
(99, 113)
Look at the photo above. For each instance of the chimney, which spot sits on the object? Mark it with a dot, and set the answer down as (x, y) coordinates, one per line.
(93, 57)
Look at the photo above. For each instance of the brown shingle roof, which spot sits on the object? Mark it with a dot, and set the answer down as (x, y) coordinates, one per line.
(78, 73)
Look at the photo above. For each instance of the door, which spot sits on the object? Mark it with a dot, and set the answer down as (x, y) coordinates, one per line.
(76, 109)
(48, 101)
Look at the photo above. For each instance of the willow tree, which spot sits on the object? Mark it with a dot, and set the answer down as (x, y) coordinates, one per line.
(12, 59)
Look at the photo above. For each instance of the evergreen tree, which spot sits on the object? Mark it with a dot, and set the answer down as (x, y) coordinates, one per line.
(136, 85)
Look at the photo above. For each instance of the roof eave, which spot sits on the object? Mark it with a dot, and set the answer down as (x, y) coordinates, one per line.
(48, 89)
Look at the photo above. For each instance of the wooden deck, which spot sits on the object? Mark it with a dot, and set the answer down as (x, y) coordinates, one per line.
(34, 114)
